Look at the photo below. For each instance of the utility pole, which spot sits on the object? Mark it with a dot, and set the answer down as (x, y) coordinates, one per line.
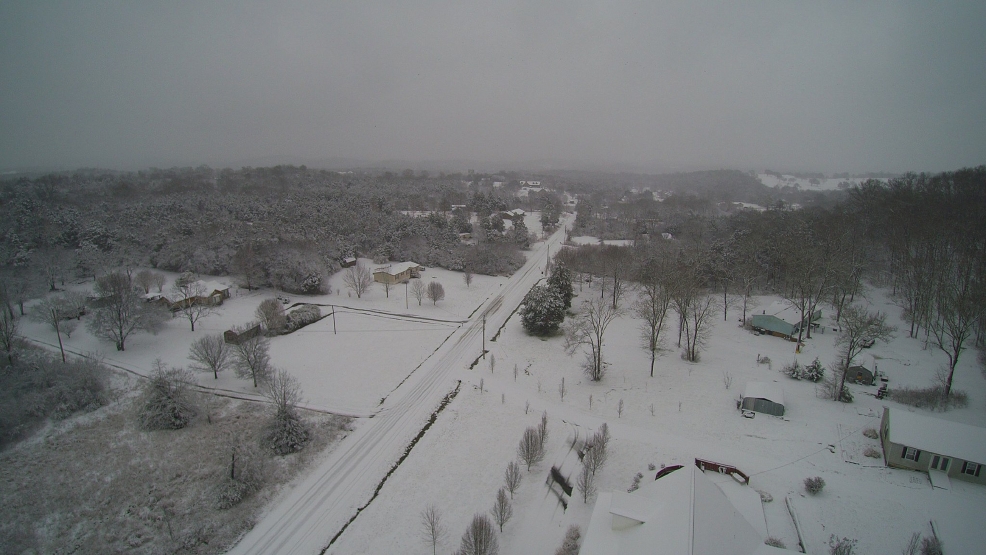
(484, 337)
(333, 320)
(405, 293)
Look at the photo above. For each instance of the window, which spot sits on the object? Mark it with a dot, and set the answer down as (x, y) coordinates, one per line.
(910, 454)
(971, 468)
(940, 463)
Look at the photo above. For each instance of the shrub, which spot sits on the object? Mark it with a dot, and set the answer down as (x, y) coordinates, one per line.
(814, 372)
(301, 317)
(871, 433)
(765, 497)
(931, 398)
(814, 485)
(841, 546)
(570, 545)
(931, 546)
(775, 542)
(871, 453)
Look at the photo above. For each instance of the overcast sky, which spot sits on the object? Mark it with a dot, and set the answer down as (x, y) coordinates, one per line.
(804, 85)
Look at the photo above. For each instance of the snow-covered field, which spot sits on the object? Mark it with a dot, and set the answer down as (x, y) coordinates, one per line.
(685, 411)
(459, 465)
(820, 184)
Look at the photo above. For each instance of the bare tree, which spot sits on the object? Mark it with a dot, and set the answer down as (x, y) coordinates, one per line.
(418, 290)
(210, 354)
(959, 307)
(433, 530)
(501, 511)
(52, 310)
(652, 305)
(122, 311)
(435, 292)
(586, 482)
(531, 448)
(246, 262)
(8, 333)
(252, 360)
(588, 329)
(358, 279)
(287, 432)
(512, 477)
(480, 538)
(698, 318)
(858, 325)
(467, 277)
(543, 428)
(144, 279)
(192, 300)
(158, 281)
(270, 312)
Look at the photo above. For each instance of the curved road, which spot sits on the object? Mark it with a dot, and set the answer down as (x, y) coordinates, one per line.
(317, 508)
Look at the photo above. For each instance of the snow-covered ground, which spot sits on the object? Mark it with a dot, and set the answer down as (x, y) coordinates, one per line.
(819, 184)
(589, 240)
(685, 411)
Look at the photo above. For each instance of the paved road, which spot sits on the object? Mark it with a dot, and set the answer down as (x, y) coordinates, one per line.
(312, 513)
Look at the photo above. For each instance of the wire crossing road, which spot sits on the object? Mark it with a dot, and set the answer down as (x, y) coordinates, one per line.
(307, 517)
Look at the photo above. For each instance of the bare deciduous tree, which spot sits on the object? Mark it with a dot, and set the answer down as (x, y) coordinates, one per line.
(501, 511)
(531, 448)
(8, 333)
(652, 305)
(122, 311)
(52, 311)
(586, 482)
(252, 360)
(435, 292)
(358, 279)
(480, 538)
(144, 279)
(858, 325)
(418, 290)
(588, 329)
(512, 477)
(959, 307)
(210, 354)
(433, 530)
(270, 312)
(192, 300)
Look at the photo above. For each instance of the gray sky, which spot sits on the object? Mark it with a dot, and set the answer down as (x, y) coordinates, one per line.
(811, 85)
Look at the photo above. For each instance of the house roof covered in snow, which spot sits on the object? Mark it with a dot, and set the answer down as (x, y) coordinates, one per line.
(764, 390)
(684, 513)
(936, 435)
(397, 268)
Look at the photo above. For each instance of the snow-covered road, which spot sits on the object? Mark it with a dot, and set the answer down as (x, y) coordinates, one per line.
(306, 518)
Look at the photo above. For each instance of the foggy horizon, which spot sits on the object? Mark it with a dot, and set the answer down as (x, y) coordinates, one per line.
(630, 86)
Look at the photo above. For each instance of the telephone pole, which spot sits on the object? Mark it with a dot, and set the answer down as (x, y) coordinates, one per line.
(484, 337)
(333, 320)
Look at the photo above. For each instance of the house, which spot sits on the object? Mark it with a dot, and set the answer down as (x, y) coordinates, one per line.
(231, 337)
(685, 512)
(349, 262)
(861, 375)
(763, 397)
(946, 450)
(215, 292)
(783, 320)
(513, 215)
(399, 272)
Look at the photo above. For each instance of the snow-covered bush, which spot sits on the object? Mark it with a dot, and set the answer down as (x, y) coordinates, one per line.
(775, 542)
(871, 452)
(165, 402)
(286, 432)
(570, 545)
(841, 546)
(931, 398)
(871, 433)
(814, 372)
(765, 497)
(301, 317)
(814, 485)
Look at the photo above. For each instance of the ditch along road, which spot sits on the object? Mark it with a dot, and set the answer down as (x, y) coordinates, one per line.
(306, 519)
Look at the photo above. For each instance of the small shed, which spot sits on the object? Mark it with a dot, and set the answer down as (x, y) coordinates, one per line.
(399, 272)
(860, 375)
(763, 397)
(349, 262)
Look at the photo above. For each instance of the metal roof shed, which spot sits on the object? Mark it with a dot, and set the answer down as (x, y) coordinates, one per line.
(763, 397)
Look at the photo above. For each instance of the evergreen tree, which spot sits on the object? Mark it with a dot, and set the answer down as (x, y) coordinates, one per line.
(561, 281)
(543, 310)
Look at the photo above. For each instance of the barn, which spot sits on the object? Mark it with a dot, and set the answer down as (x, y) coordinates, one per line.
(763, 397)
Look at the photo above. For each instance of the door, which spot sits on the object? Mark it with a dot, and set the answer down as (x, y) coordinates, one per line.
(939, 463)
